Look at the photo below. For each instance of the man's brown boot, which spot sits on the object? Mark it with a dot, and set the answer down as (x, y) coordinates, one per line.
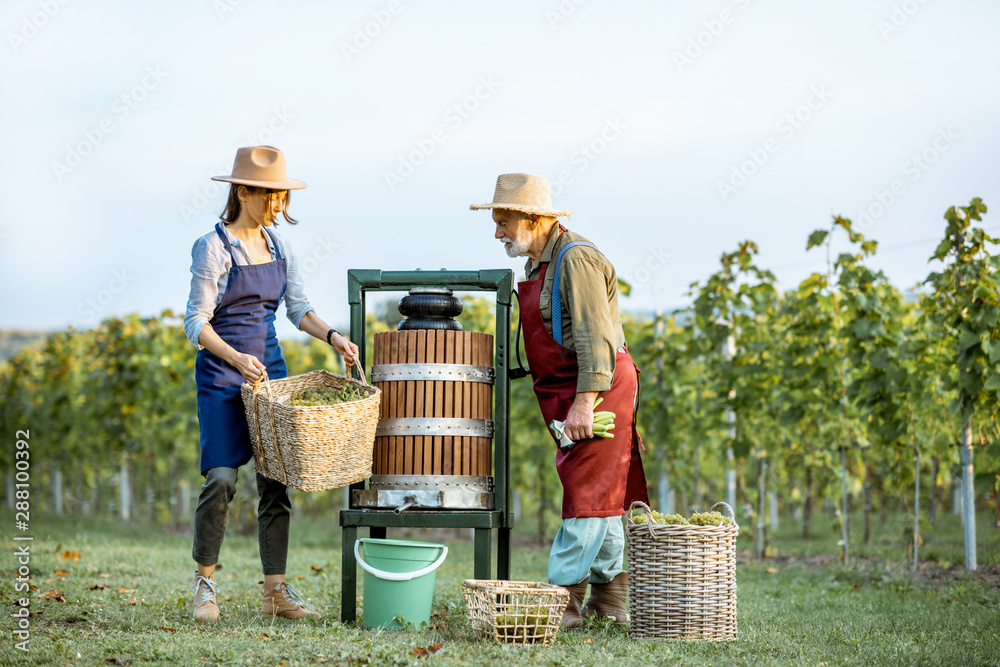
(281, 599)
(206, 607)
(609, 599)
(571, 619)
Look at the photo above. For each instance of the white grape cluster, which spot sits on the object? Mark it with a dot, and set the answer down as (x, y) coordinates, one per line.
(697, 519)
(672, 519)
(527, 624)
(325, 396)
(711, 519)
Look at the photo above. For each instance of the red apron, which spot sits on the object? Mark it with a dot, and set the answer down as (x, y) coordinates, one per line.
(600, 477)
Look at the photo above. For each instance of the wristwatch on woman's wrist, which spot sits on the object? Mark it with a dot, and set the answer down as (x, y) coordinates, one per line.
(329, 336)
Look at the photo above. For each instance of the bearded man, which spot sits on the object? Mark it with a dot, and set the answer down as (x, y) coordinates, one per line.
(575, 345)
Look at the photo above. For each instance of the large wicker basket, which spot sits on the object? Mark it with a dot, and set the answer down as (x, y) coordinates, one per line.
(522, 613)
(311, 448)
(682, 579)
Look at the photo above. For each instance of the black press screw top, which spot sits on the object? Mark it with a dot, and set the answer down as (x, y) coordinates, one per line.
(430, 308)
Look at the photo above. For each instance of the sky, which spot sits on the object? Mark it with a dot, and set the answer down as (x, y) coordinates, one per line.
(673, 130)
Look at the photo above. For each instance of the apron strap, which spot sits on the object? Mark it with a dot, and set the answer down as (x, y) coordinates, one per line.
(225, 241)
(556, 297)
(274, 242)
(520, 371)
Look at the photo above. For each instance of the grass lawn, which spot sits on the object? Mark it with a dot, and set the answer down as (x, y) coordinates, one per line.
(128, 601)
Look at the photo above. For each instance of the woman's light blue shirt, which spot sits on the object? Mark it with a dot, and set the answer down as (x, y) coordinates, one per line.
(210, 264)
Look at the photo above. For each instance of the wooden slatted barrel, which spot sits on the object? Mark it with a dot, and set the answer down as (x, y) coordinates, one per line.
(428, 404)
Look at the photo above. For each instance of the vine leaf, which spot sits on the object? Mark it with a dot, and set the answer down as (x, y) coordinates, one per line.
(817, 238)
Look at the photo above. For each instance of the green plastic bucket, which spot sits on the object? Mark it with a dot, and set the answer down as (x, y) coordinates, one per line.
(399, 580)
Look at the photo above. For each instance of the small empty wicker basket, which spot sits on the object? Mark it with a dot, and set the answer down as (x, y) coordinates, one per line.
(311, 448)
(523, 613)
(682, 579)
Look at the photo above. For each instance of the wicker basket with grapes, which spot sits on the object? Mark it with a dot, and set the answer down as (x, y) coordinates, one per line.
(314, 431)
(522, 613)
(682, 574)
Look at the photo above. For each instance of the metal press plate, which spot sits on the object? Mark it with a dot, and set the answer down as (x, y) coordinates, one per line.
(423, 499)
(443, 426)
(474, 484)
(432, 372)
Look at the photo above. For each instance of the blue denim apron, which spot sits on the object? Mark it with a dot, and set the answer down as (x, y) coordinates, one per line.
(245, 320)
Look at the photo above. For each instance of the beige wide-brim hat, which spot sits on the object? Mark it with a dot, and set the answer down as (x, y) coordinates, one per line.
(263, 167)
(525, 193)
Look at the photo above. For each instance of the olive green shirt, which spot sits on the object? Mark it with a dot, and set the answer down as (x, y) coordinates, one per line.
(591, 325)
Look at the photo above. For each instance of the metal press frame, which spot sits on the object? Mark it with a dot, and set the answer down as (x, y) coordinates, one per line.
(501, 281)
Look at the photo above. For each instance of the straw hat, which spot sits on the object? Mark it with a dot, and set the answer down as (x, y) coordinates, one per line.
(524, 193)
(263, 167)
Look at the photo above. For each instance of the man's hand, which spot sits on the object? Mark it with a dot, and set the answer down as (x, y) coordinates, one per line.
(580, 420)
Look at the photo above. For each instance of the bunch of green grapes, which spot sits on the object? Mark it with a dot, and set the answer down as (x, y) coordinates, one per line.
(325, 396)
(525, 624)
(711, 519)
(669, 519)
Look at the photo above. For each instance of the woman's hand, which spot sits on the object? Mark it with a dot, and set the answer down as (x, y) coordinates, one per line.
(347, 349)
(580, 420)
(317, 328)
(249, 367)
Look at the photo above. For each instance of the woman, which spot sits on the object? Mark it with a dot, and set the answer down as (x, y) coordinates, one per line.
(241, 272)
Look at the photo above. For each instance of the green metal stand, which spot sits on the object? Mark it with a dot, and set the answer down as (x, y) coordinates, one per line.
(501, 281)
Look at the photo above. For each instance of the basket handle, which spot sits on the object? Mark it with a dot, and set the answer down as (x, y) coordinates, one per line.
(727, 508)
(645, 508)
(256, 424)
(641, 505)
(361, 372)
(274, 434)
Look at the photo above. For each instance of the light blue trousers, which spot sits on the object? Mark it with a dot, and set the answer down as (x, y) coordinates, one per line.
(589, 545)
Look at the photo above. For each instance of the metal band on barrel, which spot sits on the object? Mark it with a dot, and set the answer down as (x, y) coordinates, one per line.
(432, 372)
(468, 428)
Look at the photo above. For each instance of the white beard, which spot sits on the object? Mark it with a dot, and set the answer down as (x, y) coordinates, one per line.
(518, 246)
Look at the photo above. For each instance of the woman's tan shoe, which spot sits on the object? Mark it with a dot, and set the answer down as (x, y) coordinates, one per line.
(206, 608)
(281, 599)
